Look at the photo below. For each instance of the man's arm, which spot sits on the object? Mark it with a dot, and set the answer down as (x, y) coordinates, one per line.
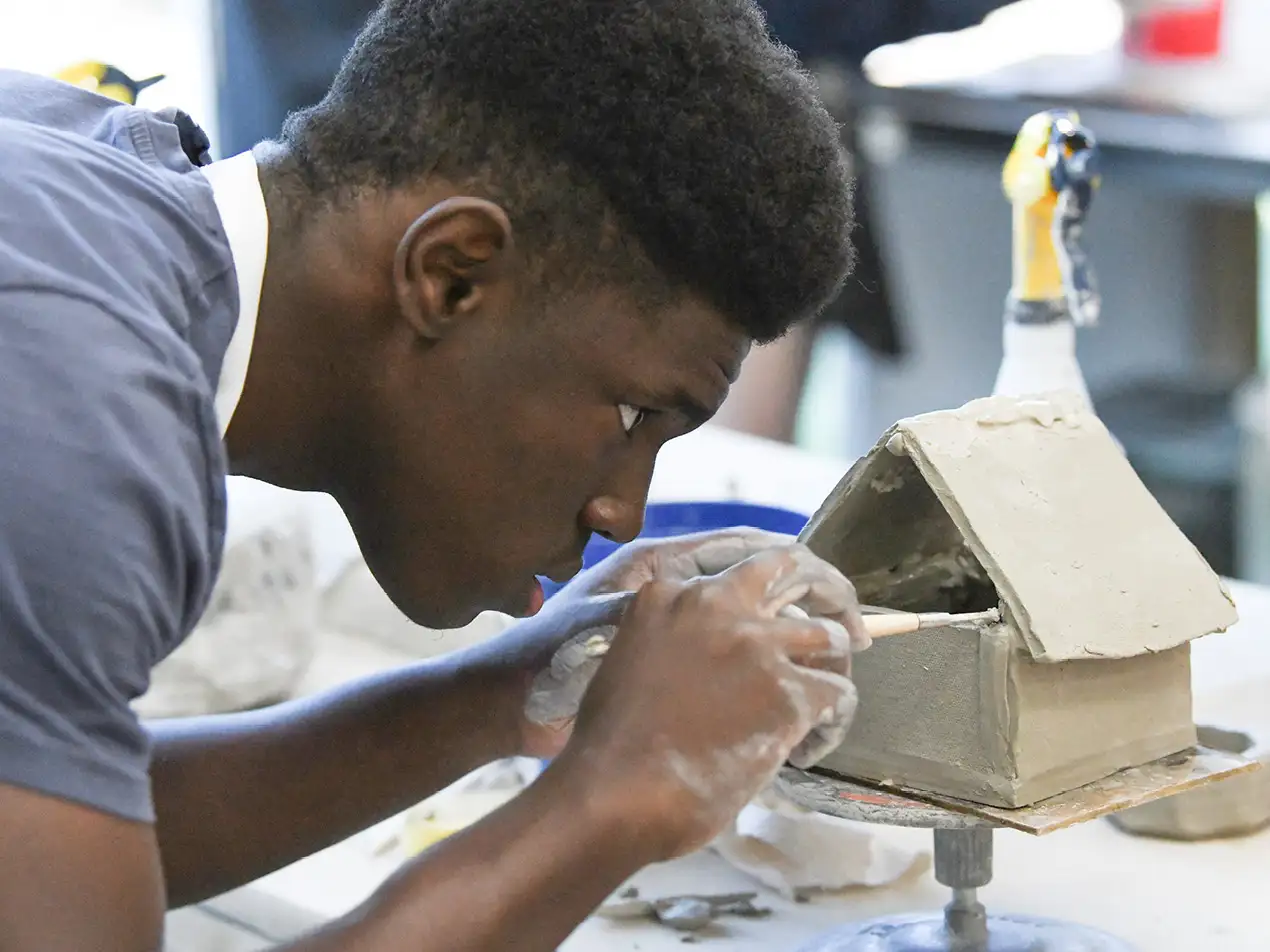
(105, 495)
(238, 796)
(241, 795)
(519, 881)
(73, 878)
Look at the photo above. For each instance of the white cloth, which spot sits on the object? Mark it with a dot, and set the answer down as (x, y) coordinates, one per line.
(241, 204)
(792, 850)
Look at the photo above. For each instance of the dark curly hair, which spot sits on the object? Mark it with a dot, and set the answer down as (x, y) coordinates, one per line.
(663, 144)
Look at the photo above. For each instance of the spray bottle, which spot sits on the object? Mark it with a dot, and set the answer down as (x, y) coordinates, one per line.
(1049, 177)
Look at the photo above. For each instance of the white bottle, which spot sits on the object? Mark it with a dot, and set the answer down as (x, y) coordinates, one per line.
(1040, 358)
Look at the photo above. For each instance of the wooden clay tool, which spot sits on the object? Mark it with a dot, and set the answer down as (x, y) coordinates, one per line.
(901, 623)
(882, 625)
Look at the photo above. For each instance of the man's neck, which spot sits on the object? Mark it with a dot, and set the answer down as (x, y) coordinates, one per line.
(282, 424)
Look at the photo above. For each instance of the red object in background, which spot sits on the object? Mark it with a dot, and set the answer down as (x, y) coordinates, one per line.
(1187, 33)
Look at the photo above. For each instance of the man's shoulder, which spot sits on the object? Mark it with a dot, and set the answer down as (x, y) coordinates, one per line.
(67, 150)
(59, 176)
(83, 219)
(95, 121)
(112, 496)
(41, 101)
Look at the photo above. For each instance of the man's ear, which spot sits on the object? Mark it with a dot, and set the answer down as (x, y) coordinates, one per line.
(448, 261)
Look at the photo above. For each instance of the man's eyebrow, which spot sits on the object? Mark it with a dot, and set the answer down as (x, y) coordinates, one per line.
(698, 411)
(693, 409)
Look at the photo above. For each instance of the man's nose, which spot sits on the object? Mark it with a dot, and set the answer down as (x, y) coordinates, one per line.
(618, 512)
(615, 518)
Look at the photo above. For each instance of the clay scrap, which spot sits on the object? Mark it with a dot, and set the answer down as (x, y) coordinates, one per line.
(1026, 505)
(683, 913)
(1237, 806)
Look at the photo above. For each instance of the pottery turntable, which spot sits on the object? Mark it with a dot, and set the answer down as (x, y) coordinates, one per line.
(963, 852)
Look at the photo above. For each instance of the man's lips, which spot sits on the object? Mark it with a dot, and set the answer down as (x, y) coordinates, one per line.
(559, 575)
(562, 572)
(537, 598)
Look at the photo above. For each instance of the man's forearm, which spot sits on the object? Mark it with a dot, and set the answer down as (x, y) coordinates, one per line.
(240, 795)
(518, 881)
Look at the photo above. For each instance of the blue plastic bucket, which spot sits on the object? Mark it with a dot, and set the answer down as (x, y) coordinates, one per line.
(666, 519)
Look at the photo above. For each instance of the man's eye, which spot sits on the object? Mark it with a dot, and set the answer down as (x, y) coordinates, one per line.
(631, 416)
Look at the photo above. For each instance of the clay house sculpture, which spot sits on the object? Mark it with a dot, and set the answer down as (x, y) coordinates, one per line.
(1027, 505)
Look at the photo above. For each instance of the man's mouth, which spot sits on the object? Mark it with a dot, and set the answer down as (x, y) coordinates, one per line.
(537, 598)
(562, 572)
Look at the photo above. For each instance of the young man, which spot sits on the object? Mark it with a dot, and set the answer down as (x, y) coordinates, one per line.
(517, 247)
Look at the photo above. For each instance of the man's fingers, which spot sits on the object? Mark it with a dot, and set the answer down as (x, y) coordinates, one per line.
(604, 608)
(813, 642)
(832, 702)
(709, 553)
(681, 558)
(818, 588)
(777, 580)
(819, 743)
(557, 690)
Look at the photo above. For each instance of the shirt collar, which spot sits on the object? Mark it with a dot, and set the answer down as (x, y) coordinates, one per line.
(241, 205)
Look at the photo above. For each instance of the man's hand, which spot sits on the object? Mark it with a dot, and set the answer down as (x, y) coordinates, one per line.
(556, 648)
(711, 685)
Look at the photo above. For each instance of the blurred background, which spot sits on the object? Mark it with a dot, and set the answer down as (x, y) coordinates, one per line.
(930, 93)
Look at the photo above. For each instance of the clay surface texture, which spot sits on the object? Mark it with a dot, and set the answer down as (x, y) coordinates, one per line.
(1029, 506)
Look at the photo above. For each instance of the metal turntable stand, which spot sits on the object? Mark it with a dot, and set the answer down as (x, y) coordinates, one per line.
(963, 852)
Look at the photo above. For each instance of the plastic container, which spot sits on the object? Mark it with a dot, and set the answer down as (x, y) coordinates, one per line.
(1176, 30)
(1205, 56)
(667, 519)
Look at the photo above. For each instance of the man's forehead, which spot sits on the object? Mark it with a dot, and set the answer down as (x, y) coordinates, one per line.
(679, 353)
(681, 333)
(702, 353)
(697, 339)
(704, 329)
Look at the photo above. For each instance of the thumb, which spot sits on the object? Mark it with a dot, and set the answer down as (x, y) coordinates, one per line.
(593, 611)
(832, 721)
(557, 691)
(711, 553)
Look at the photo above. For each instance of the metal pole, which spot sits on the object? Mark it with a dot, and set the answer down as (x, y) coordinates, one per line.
(963, 863)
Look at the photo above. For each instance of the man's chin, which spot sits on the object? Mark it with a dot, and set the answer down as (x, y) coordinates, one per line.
(528, 601)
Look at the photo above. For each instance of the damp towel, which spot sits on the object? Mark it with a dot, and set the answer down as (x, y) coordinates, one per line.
(795, 851)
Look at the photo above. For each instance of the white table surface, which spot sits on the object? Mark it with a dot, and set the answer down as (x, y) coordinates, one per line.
(1161, 897)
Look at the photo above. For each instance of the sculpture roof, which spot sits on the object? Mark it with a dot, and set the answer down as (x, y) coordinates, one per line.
(1034, 498)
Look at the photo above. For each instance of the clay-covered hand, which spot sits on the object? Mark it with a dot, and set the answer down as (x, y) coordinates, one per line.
(710, 685)
(674, 560)
(571, 634)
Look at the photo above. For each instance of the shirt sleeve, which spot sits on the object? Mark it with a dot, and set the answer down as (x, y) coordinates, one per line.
(107, 494)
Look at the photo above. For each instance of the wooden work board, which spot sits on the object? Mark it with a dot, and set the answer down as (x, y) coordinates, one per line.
(869, 802)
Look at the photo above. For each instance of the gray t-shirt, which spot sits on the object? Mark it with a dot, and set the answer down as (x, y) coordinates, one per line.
(117, 301)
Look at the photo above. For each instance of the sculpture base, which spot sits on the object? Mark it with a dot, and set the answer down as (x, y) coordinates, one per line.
(930, 933)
